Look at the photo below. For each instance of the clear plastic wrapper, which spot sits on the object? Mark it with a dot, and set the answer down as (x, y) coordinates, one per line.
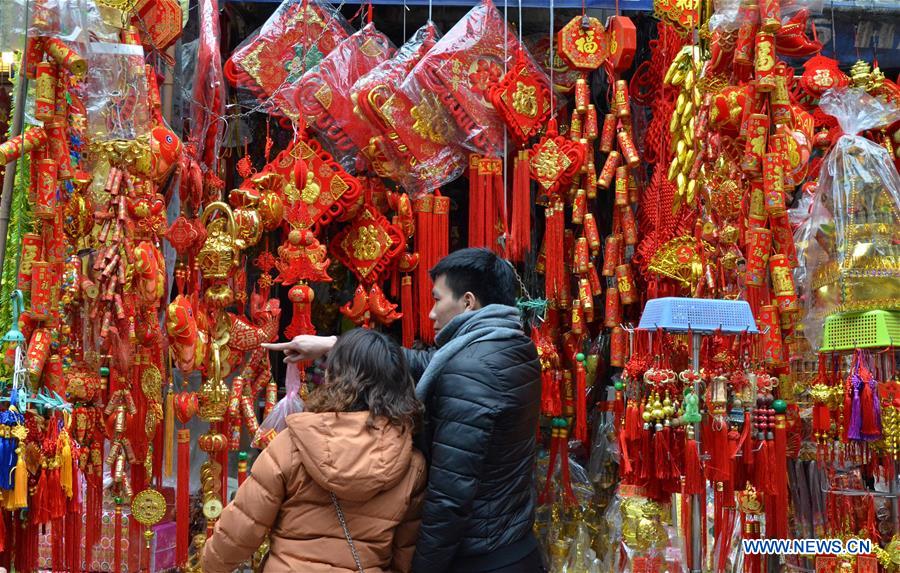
(850, 247)
(115, 96)
(208, 96)
(461, 69)
(277, 418)
(292, 41)
(392, 150)
(322, 96)
(648, 541)
(731, 15)
(13, 30)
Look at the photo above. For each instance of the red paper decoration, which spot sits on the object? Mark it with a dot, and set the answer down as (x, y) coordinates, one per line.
(369, 245)
(523, 99)
(583, 43)
(555, 160)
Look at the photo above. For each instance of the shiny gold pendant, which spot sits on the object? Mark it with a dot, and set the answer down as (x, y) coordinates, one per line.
(148, 508)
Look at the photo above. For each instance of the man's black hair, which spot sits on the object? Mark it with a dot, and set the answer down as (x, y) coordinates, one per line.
(479, 271)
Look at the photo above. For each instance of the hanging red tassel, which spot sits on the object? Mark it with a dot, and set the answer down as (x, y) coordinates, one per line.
(661, 452)
(693, 470)
(408, 320)
(779, 478)
(520, 232)
(581, 426)
(477, 182)
(554, 257)
(544, 495)
(183, 499)
(425, 245)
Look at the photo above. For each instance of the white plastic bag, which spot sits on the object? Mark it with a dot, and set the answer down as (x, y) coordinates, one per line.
(277, 418)
(848, 248)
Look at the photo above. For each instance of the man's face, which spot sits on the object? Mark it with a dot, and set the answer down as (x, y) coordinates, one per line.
(446, 305)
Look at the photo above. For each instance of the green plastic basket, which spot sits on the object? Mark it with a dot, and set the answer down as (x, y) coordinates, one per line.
(872, 329)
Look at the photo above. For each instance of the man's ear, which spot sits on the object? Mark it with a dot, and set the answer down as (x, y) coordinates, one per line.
(470, 301)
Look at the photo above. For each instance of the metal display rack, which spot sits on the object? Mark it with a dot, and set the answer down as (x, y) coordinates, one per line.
(698, 318)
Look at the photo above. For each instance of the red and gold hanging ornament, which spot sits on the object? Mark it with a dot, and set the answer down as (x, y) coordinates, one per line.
(322, 96)
(293, 40)
(460, 70)
(523, 99)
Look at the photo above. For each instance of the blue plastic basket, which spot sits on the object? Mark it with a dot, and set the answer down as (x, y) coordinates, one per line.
(698, 315)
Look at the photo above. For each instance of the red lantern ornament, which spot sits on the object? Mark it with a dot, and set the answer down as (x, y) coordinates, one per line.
(622, 42)
(583, 43)
(523, 99)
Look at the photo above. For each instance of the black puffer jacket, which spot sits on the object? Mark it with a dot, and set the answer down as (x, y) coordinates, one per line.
(481, 419)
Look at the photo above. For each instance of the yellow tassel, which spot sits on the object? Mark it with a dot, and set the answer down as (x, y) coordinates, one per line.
(169, 451)
(65, 470)
(20, 491)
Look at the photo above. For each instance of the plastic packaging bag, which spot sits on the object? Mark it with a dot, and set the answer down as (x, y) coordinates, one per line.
(460, 70)
(115, 97)
(393, 150)
(208, 95)
(292, 41)
(322, 95)
(849, 249)
(277, 418)
(647, 541)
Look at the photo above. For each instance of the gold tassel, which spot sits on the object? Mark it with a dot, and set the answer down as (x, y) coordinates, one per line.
(168, 452)
(20, 491)
(65, 470)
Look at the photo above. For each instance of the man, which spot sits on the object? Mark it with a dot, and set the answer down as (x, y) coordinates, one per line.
(481, 390)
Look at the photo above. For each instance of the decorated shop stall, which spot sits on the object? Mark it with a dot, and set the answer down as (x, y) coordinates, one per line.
(700, 199)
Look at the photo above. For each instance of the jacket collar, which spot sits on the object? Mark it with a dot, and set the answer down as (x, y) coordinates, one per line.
(492, 315)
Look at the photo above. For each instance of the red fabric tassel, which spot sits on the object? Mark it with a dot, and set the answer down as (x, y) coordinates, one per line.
(424, 209)
(520, 228)
(40, 500)
(408, 321)
(476, 202)
(58, 543)
(183, 499)
(554, 259)
(693, 470)
(581, 426)
(661, 452)
(780, 482)
(870, 428)
(646, 465)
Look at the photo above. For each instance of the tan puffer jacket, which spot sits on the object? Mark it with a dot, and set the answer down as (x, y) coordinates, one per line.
(377, 476)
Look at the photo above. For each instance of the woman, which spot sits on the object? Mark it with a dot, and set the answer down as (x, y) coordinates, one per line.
(354, 441)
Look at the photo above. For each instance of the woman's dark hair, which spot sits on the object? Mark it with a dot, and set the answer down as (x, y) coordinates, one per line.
(366, 371)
